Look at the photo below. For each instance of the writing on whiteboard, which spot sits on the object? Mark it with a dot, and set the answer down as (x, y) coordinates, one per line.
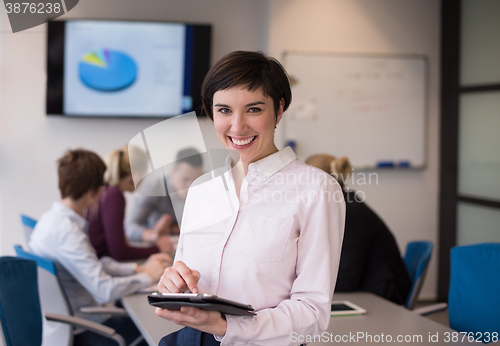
(371, 108)
(360, 100)
(304, 109)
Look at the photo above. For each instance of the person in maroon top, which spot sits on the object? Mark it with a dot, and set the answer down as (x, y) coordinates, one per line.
(106, 231)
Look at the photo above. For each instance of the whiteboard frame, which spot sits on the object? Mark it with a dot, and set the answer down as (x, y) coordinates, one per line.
(426, 105)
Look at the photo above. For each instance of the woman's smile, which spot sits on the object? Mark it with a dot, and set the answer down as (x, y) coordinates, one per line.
(242, 142)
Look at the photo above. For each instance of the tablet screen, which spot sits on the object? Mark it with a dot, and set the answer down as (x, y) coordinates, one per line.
(345, 307)
(341, 307)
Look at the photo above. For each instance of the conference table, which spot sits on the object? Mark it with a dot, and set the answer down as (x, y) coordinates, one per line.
(384, 322)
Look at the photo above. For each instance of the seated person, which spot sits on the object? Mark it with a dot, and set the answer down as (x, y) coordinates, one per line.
(153, 215)
(370, 260)
(60, 235)
(106, 231)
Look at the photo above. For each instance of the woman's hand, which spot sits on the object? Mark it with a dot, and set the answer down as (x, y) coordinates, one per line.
(163, 225)
(149, 236)
(179, 278)
(155, 265)
(207, 321)
(164, 244)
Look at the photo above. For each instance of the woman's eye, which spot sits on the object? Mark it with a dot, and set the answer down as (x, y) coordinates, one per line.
(254, 110)
(224, 110)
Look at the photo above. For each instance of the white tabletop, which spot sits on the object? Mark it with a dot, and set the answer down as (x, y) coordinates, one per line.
(384, 322)
(152, 327)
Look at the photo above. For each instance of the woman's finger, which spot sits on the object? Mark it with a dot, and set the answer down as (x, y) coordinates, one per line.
(171, 315)
(187, 276)
(196, 275)
(172, 288)
(179, 282)
(186, 310)
(164, 257)
(171, 282)
(176, 316)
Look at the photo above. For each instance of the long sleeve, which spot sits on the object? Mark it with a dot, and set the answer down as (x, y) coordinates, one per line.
(115, 268)
(63, 241)
(307, 312)
(76, 255)
(145, 212)
(112, 216)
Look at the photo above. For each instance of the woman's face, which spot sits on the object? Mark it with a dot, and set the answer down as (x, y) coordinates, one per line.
(182, 176)
(244, 121)
(127, 183)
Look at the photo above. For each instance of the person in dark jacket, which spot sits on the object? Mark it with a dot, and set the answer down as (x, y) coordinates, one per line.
(370, 260)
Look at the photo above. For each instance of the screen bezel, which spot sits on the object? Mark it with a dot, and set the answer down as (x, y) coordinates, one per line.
(356, 310)
(201, 52)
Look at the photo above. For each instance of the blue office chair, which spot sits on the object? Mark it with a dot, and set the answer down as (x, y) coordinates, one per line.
(417, 257)
(474, 296)
(28, 226)
(20, 311)
(57, 308)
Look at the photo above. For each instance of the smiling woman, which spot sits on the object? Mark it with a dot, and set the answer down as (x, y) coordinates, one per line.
(251, 236)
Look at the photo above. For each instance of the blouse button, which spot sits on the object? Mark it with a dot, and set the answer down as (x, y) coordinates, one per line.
(247, 183)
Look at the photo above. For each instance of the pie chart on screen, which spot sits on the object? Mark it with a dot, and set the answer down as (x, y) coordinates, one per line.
(107, 70)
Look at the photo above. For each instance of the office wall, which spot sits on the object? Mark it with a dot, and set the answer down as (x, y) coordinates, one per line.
(30, 142)
(406, 200)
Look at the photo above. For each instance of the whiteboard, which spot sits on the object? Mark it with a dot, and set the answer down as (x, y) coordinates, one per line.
(370, 108)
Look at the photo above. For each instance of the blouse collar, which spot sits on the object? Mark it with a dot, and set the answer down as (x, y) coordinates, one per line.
(269, 165)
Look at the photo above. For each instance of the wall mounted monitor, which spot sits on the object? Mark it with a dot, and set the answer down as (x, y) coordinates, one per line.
(104, 68)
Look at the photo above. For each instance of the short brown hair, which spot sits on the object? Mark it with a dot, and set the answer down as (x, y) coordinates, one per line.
(251, 69)
(79, 171)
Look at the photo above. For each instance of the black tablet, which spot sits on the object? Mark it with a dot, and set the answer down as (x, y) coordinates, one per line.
(344, 307)
(174, 301)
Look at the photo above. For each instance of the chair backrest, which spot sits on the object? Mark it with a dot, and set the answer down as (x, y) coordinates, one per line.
(20, 311)
(474, 296)
(417, 257)
(53, 299)
(28, 226)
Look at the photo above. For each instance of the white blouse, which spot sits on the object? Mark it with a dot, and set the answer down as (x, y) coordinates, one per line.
(276, 248)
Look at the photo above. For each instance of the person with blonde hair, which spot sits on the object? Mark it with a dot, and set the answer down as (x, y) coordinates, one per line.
(338, 168)
(370, 260)
(106, 230)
